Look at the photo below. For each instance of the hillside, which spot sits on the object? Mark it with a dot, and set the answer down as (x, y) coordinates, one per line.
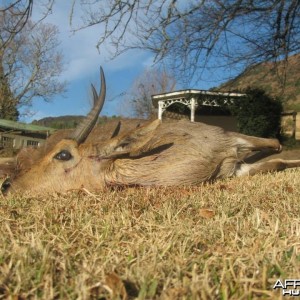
(64, 122)
(267, 77)
(59, 122)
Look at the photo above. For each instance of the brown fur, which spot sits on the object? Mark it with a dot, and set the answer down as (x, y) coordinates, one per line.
(169, 153)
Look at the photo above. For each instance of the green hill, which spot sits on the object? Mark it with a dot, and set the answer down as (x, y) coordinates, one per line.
(268, 77)
(61, 122)
(64, 122)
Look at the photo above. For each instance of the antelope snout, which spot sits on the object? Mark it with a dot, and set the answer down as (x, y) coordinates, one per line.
(5, 186)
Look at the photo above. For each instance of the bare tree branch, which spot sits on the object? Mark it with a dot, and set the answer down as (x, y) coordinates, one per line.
(191, 36)
(30, 65)
(18, 13)
(150, 82)
(194, 35)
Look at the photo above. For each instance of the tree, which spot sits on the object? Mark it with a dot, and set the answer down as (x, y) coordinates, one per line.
(258, 114)
(194, 35)
(8, 105)
(150, 82)
(30, 64)
(197, 34)
(14, 16)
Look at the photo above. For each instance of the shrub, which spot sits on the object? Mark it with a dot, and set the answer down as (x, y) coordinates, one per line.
(258, 114)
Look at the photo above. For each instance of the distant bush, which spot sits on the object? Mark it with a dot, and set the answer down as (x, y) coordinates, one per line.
(258, 114)
(289, 142)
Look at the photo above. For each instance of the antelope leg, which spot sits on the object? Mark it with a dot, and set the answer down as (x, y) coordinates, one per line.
(272, 165)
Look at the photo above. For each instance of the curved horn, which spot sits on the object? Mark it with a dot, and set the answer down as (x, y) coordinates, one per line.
(83, 129)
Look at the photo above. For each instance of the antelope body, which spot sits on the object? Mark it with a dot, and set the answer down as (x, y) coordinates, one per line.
(137, 153)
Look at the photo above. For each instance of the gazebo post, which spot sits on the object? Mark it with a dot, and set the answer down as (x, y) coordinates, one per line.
(160, 109)
(193, 108)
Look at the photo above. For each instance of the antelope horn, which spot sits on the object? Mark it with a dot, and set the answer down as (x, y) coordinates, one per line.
(84, 128)
(117, 130)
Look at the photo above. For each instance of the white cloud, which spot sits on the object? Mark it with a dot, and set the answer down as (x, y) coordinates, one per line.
(82, 66)
(79, 48)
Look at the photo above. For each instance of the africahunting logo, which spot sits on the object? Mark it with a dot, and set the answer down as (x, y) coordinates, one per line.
(289, 287)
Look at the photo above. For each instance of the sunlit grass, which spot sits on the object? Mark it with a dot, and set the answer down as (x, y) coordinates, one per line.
(228, 240)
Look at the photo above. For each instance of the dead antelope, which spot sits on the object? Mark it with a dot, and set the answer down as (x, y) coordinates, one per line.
(153, 154)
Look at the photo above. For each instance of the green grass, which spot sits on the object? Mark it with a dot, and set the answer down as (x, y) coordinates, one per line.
(228, 240)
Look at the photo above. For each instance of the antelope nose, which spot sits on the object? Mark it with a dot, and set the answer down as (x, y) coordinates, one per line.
(5, 186)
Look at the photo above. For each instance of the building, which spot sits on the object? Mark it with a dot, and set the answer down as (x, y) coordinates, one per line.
(15, 135)
(196, 98)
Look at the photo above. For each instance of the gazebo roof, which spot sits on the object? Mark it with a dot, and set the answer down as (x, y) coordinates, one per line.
(206, 97)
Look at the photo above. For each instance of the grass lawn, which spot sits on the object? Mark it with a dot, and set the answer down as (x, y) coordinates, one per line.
(228, 240)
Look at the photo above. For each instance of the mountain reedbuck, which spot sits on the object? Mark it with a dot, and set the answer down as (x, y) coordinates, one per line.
(149, 154)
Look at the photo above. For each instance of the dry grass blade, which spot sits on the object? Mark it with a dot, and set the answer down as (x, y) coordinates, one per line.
(206, 213)
(228, 240)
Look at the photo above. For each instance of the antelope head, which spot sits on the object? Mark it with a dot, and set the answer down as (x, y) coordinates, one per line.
(67, 161)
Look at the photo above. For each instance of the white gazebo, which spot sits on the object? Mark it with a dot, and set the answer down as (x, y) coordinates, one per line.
(193, 98)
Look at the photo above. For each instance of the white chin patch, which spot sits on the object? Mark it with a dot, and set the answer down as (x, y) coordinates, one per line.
(244, 169)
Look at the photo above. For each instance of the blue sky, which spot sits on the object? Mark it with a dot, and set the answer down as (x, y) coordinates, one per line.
(82, 67)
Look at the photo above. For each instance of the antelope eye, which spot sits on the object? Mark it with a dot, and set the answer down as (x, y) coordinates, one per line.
(63, 155)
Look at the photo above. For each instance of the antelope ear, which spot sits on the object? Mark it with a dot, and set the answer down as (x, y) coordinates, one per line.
(117, 130)
(131, 143)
